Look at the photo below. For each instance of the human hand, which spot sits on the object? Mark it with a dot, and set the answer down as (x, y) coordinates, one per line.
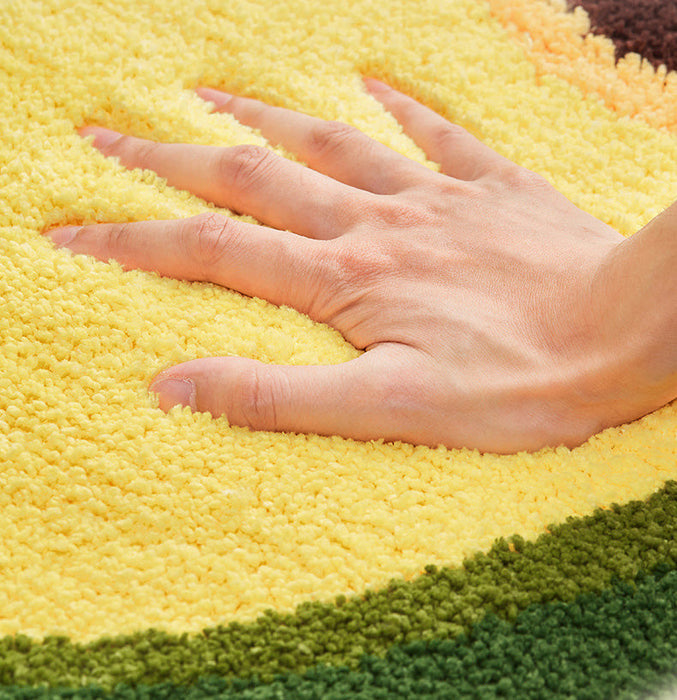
(479, 293)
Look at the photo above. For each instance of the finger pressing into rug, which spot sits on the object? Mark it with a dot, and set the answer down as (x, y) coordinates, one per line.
(328, 400)
(329, 147)
(246, 179)
(459, 153)
(257, 261)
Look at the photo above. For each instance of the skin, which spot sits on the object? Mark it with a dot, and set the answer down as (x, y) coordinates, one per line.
(494, 313)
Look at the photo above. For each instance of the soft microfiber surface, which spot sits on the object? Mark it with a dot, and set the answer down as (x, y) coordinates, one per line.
(118, 519)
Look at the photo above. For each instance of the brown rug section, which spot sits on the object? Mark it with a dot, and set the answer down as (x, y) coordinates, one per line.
(646, 27)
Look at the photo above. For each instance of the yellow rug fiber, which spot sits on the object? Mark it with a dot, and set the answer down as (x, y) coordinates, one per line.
(116, 517)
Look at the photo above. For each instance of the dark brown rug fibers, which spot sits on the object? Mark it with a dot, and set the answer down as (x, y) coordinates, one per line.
(646, 27)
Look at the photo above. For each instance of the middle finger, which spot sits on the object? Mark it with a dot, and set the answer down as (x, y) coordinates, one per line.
(333, 148)
(246, 179)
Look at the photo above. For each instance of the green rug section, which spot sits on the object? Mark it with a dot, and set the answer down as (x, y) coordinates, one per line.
(618, 643)
(580, 556)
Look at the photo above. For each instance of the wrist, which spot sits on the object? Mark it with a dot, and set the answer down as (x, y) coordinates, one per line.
(637, 287)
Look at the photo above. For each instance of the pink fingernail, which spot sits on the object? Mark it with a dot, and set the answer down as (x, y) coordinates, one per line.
(216, 97)
(374, 85)
(102, 137)
(63, 236)
(177, 391)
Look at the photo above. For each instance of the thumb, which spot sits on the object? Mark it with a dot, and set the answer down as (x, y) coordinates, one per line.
(324, 399)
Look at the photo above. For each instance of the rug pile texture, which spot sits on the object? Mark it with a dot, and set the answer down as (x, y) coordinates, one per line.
(153, 555)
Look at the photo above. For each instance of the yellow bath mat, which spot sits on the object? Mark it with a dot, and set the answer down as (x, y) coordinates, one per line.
(169, 553)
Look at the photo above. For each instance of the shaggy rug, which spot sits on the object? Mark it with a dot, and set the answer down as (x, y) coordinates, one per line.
(153, 555)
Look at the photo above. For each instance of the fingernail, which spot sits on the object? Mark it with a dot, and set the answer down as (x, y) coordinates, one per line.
(63, 236)
(175, 392)
(216, 97)
(374, 85)
(102, 137)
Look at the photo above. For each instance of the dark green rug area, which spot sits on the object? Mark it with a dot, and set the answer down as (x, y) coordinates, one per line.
(620, 641)
(425, 618)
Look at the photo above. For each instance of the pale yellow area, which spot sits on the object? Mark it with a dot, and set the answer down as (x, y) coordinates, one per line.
(560, 43)
(114, 516)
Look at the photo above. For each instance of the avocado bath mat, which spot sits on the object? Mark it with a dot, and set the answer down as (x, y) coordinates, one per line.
(154, 555)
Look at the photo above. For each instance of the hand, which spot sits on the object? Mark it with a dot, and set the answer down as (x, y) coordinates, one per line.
(478, 293)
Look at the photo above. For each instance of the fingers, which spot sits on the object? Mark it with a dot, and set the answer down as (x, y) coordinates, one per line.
(335, 149)
(274, 265)
(301, 399)
(459, 153)
(246, 179)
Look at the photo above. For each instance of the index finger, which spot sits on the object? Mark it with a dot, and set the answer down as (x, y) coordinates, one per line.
(278, 266)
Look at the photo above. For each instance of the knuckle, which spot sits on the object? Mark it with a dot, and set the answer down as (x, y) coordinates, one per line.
(446, 195)
(209, 239)
(519, 178)
(446, 135)
(246, 109)
(441, 194)
(398, 212)
(361, 263)
(242, 166)
(396, 397)
(117, 237)
(452, 193)
(258, 394)
(404, 394)
(142, 151)
(331, 136)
